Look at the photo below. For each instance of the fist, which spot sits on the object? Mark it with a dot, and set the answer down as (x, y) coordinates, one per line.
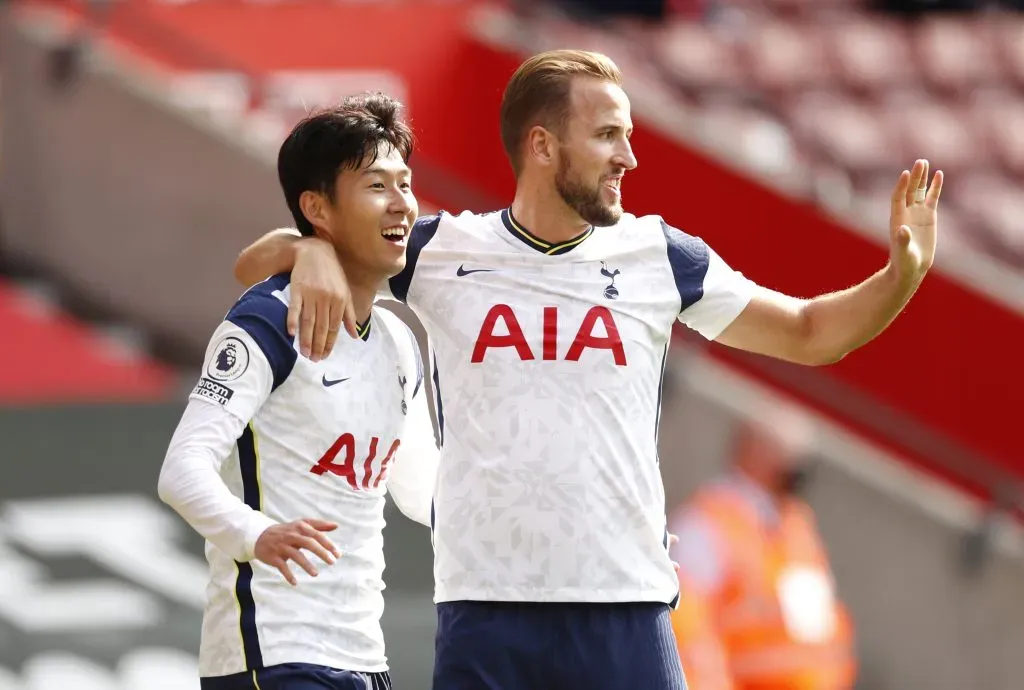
(282, 543)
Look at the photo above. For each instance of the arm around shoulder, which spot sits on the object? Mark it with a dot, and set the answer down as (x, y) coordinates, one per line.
(269, 255)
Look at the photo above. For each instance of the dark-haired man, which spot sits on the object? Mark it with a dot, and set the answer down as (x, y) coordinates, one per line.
(270, 438)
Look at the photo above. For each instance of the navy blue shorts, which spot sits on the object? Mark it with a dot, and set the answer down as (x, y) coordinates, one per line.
(298, 677)
(551, 646)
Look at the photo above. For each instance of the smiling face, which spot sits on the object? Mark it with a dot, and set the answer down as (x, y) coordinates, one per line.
(594, 152)
(371, 214)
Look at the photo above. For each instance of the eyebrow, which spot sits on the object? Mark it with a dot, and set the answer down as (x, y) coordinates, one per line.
(379, 170)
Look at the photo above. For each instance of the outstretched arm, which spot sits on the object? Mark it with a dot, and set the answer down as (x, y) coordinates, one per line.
(824, 329)
(320, 299)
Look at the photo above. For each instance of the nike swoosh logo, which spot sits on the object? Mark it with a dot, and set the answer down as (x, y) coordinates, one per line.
(328, 383)
(463, 272)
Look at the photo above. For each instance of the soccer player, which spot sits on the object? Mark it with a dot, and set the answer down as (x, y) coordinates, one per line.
(549, 323)
(274, 450)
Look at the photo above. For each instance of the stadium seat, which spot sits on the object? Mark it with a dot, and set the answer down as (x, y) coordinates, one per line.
(698, 58)
(998, 117)
(933, 129)
(957, 55)
(788, 56)
(848, 132)
(871, 55)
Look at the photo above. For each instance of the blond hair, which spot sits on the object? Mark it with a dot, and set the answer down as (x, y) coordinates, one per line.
(538, 94)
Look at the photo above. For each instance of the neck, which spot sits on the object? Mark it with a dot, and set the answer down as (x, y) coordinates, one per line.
(363, 286)
(539, 208)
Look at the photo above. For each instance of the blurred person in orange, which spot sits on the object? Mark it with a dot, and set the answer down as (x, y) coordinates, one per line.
(758, 609)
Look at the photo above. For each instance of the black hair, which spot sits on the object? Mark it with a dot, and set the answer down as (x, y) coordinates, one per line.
(331, 140)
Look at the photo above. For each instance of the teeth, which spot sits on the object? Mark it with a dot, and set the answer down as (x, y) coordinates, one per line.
(393, 232)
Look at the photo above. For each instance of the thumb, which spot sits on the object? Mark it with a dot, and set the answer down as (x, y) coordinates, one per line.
(903, 236)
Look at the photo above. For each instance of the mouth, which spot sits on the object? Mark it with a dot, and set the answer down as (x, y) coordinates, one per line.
(395, 234)
(613, 184)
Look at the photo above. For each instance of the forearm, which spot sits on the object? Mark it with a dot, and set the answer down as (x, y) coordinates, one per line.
(191, 484)
(843, 321)
(271, 254)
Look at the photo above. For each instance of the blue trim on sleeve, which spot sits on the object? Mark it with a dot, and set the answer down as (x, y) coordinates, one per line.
(265, 318)
(689, 258)
(422, 232)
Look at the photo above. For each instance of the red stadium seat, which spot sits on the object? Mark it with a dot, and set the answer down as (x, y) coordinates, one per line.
(998, 118)
(956, 54)
(846, 131)
(788, 56)
(933, 129)
(696, 57)
(871, 55)
(1010, 43)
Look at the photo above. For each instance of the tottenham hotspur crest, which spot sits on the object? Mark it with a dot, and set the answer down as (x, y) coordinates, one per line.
(611, 292)
(401, 383)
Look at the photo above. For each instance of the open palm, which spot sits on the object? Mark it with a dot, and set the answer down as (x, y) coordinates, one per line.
(914, 221)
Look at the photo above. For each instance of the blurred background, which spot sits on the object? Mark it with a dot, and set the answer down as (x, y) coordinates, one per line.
(137, 149)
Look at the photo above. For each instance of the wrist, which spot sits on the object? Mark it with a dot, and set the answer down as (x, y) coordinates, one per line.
(903, 278)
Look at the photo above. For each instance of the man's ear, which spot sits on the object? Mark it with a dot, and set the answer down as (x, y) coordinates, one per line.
(317, 211)
(541, 145)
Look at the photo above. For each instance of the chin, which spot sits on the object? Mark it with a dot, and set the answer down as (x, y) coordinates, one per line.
(395, 267)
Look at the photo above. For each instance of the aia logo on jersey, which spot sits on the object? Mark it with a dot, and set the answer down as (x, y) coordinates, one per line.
(359, 475)
(511, 334)
(611, 292)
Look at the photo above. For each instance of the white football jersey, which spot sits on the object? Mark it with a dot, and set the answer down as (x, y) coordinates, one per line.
(547, 362)
(317, 440)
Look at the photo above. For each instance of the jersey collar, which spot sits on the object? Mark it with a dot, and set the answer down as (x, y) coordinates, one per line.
(363, 329)
(536, 243)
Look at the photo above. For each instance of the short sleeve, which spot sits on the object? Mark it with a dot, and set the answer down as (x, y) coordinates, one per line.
(262, 312)
(711, 293)
(250, 353)
(423, 230)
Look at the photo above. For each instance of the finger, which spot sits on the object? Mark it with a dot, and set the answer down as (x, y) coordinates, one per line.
(335, 326)
(351, 324)
(330, 550)
(323, 322)
(300, 560)
(294, 310)
(899, 195)
(306, 322)
(922, 185)
(675, 566)
(916, 175)
(935, 190)
(286, 572)
(321, 525)
(317, 548)
(672, 540)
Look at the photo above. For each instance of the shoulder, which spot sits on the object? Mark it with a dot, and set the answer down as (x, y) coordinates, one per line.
(268, 299)
(466, 221)
(262, 312)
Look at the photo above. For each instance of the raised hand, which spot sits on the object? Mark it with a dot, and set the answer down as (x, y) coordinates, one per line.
(913, 222)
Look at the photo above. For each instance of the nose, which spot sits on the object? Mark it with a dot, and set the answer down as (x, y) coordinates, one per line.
(401, 201)
(624, 156)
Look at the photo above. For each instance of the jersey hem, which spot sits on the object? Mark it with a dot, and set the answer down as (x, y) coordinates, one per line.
(567, 595)
(301, 656)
